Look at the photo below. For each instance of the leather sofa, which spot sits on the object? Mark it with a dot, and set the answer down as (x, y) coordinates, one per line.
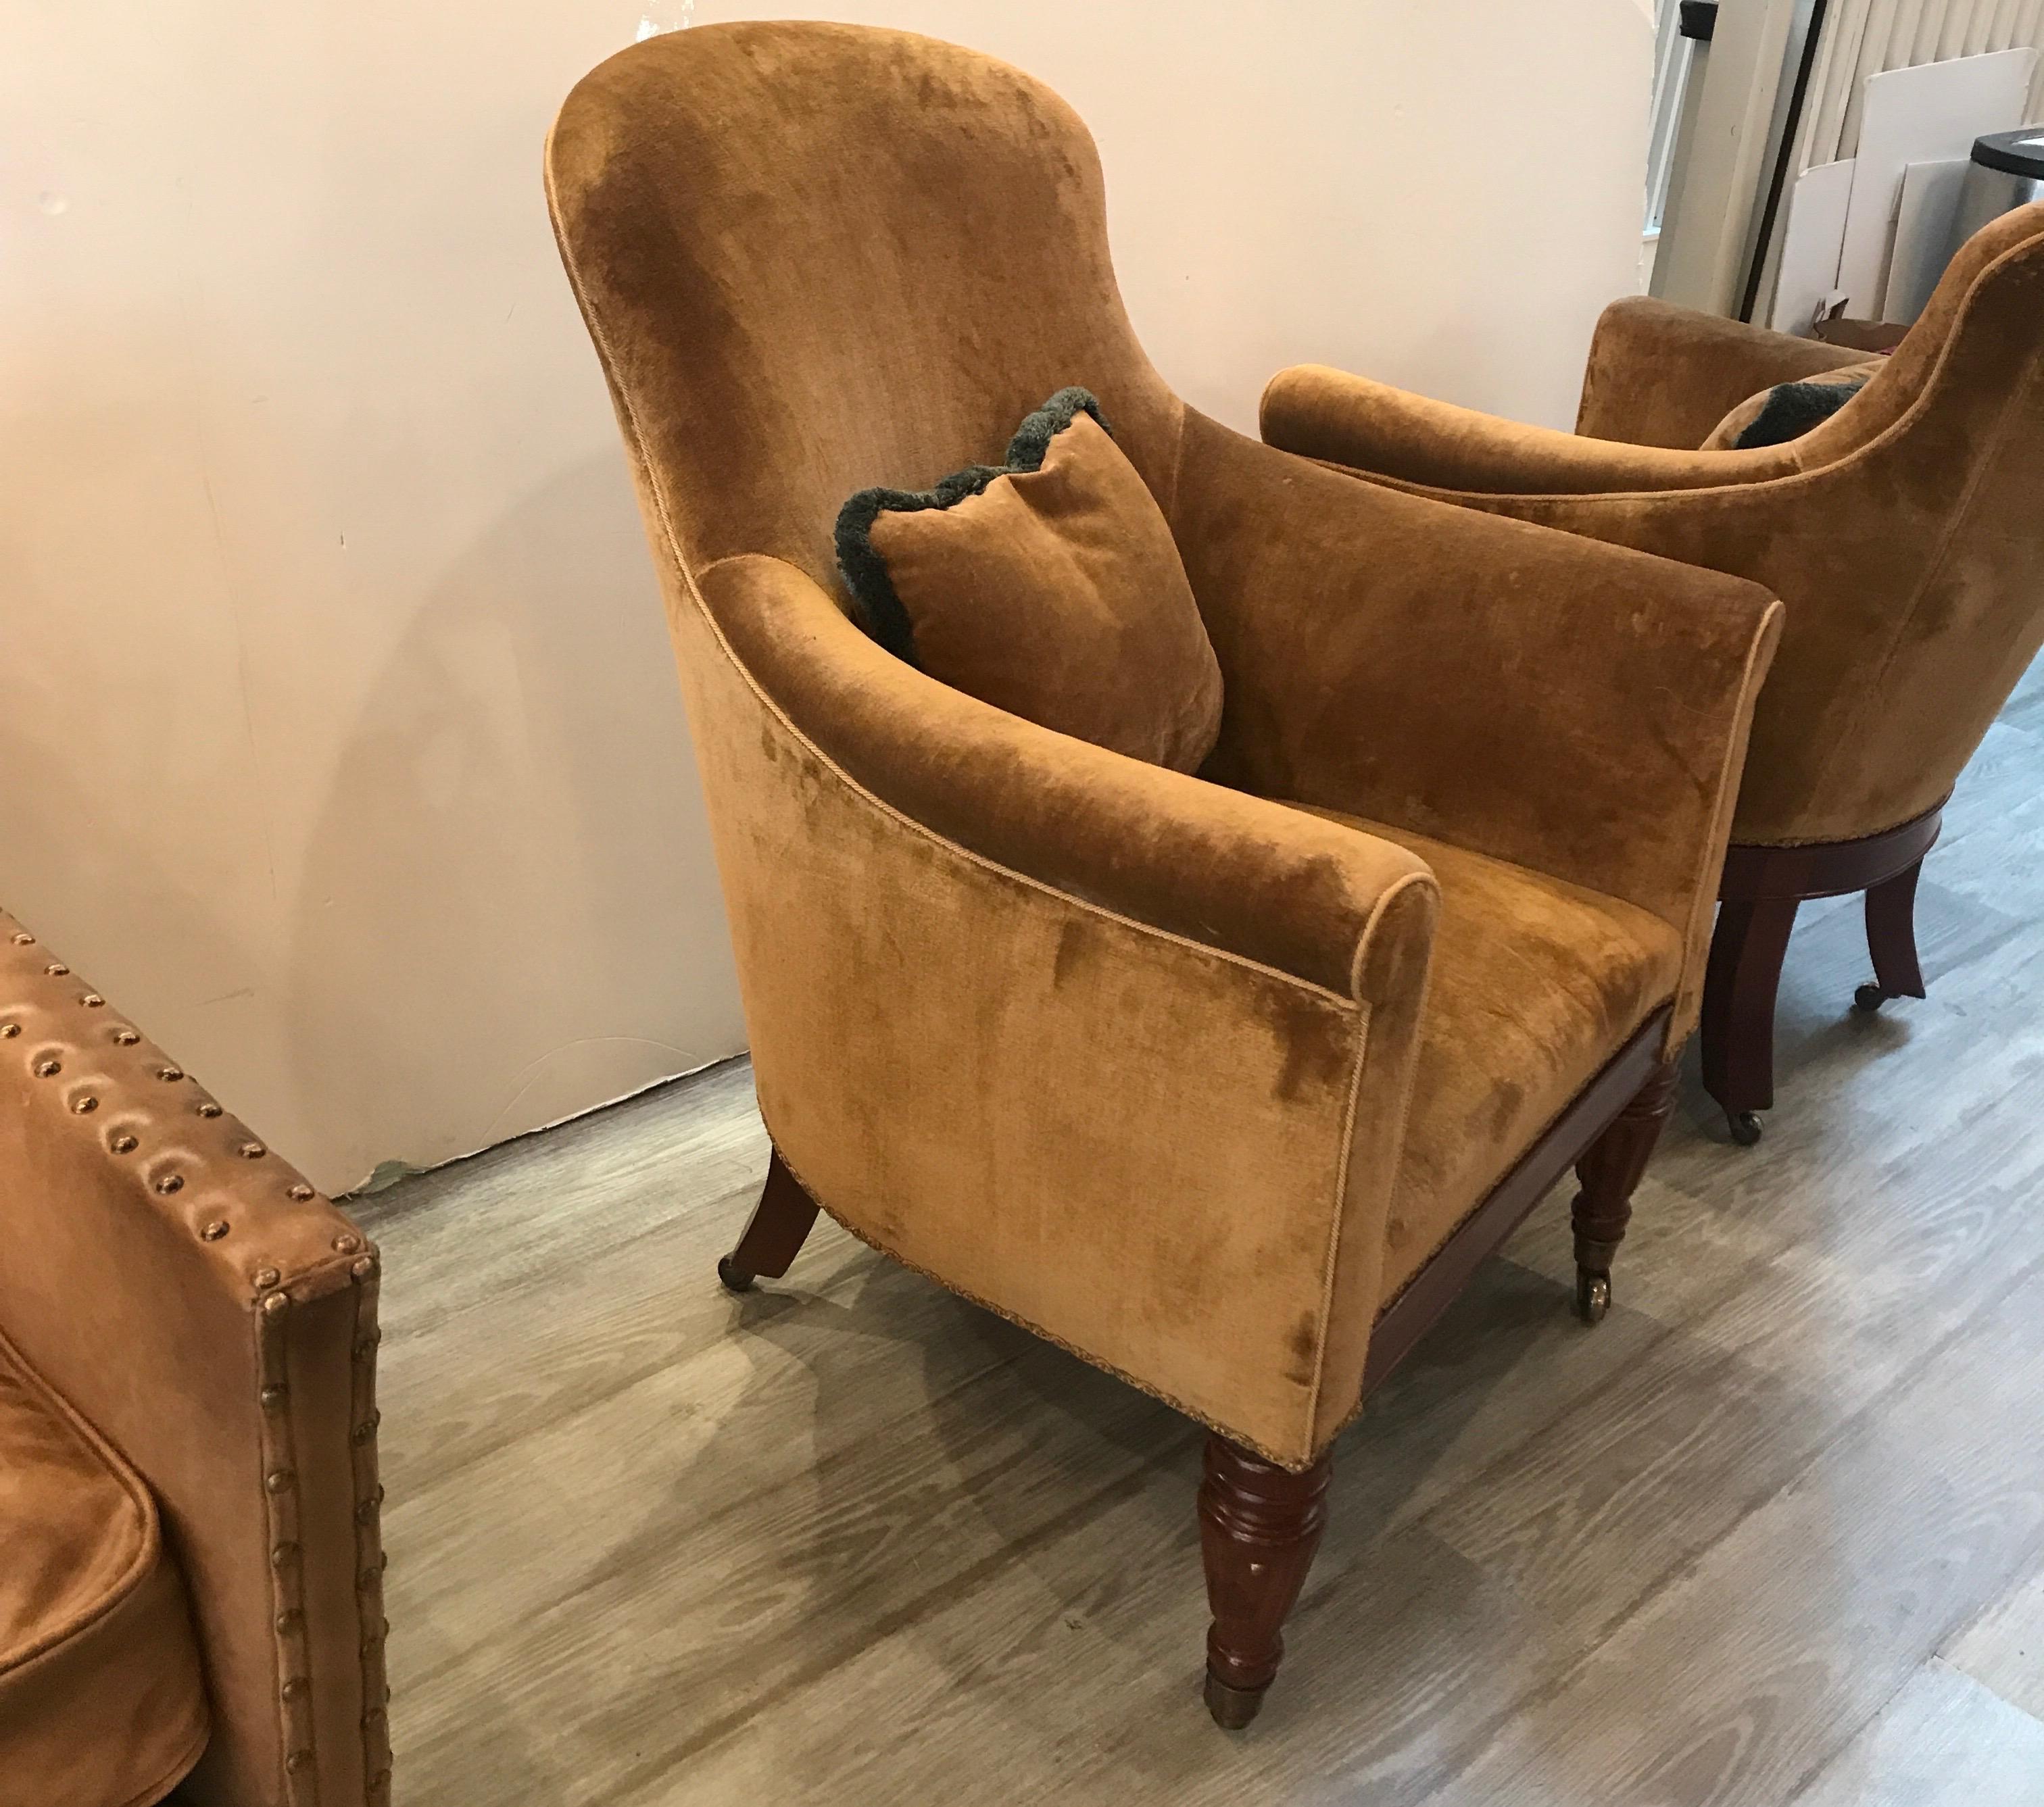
(191, 1555)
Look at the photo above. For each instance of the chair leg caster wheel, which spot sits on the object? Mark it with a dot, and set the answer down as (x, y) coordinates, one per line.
(1233, 1708)
(1868, 999)
(1592, 1295)
(734, 1278)
(1745, 1127)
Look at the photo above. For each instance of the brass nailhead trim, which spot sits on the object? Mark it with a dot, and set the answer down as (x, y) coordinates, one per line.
(171, 1182)
(364, 1268)
(121, 1142)
(283, 1555)
(170, 1072)
(213, 1230)
(86, 1106)
(23, 938)
(92, 1000)
(209, 1109)
(267, 1277)
(251, 1151)
(297, 1760)
(57, 969)
(347, 1244)
(272, 1397)
(289, 1619)
(301, 1191)
(295, 1689)
(278, 1480)
(274, 1302)
(10, 1029)
(48, 1069)
(127, 1038)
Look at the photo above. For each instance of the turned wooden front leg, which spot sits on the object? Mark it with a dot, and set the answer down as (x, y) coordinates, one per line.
(1610, 1170)
(1260, 1526)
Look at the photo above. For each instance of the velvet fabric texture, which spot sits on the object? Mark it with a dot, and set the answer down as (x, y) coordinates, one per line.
(1903, 533)
(1126, 1053)
(191, 1299)
(102, 1703)
(1048, 585)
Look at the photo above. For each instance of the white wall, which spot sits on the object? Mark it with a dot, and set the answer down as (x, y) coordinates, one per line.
(339, 740)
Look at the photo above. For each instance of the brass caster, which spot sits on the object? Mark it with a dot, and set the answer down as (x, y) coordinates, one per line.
(1233, 1708)
(1868, 999)
(1592, 1295)
(734, 1278)
(1745, 1127)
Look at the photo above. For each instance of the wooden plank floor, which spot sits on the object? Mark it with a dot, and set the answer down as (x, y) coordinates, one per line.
(1774, 1533)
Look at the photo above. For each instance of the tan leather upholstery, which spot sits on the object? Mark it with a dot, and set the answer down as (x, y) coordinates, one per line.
(1903, 534)
(213, 1319)
(102, 1703)
(1123, 1051)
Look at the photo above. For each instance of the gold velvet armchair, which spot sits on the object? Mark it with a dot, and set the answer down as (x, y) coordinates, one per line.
(1225, 1082)
(1905, 534)
(190, 1563)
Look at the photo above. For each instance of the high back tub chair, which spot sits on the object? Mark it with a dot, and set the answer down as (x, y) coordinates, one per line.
(1145, 1062)
(1905, 534)
(190, 1572)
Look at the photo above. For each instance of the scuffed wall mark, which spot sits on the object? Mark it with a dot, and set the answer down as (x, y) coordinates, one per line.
(226, 997)
(241, 663)
(685, 1060)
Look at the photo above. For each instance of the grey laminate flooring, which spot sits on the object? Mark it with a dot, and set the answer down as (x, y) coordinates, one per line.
(1773, 1533)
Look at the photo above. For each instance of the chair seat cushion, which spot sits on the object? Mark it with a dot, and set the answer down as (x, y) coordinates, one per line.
(101, 1702)
(1535, 983)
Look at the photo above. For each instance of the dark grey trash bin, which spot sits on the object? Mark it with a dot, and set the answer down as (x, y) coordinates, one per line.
(2006, 172)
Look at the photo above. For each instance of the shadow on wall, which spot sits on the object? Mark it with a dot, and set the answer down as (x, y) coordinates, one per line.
(529, 718)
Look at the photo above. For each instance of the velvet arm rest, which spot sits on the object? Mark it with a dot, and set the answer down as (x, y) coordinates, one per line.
(189, 1294)
(1174, 852)
(1663, 375)
(1578, 708)
(1342, 419)
(1117, 1053)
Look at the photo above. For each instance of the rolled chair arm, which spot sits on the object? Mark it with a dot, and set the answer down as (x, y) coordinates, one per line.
(1663, 375)
(1174, 852)
(1342, 419)
(194, 1300)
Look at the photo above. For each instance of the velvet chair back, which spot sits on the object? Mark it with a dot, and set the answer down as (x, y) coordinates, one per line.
(833, 258)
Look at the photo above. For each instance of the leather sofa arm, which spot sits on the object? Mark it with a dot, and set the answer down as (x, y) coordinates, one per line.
(1663, 375)
(1579, 708)
(213, 1317)
(1190, 858)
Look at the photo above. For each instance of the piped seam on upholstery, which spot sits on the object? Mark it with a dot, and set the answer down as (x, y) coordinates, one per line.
(180, 1766)
(923, 831)
(1288, 1463)
(1984, 463)
(1703, 895)
(80, 1434)
(1338, 1226)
